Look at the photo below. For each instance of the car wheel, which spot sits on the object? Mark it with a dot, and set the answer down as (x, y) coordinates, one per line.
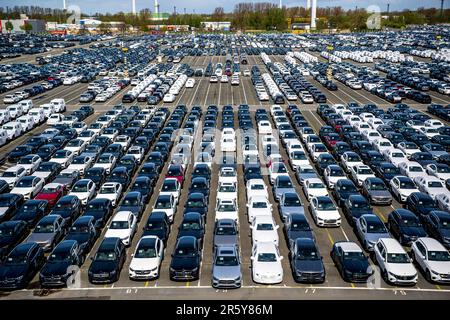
(428, 276)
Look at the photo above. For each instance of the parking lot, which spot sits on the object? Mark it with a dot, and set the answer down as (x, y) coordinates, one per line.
(203, 94)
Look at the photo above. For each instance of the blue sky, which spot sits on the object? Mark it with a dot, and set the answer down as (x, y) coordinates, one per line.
(207, 6)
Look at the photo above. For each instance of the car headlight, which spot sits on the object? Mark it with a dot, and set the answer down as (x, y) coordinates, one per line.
(434, 272)
(132, 270)
(392, 274)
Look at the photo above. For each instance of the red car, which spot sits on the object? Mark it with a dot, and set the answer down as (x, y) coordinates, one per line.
(51, 192)
(331, 139)
(176, 171)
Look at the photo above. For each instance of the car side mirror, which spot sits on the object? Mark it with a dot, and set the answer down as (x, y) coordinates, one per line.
(252, 258)
(423, 257)
(277, 226)
(281, 258)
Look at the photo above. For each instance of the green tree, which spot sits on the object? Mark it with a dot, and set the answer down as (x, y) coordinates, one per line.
(27, 27)
(9, 26)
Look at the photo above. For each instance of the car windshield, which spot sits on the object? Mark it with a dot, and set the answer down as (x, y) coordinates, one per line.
(130, 202)
(195, 204)
(25, 183)
(264, 226)
(267, 257)
(105, 256)
(144, 252)
(445, 223)
(435, 184)
(438, 256)
(226, 173)
(227, 188)
(16, 259)
(348, 188)
(292, 202)
(364, 171)
(257, 187)
(80, 188)
(307, 254)
(10, 174)
(259, 205)
(26, 160)
(170, 186)
(377, 186)
(307, 170)
(59, 257)
(316, 185)
(354, 255)
(79, 229)
(415, 169)
(185, 252)
(6, 232)
(397, 258)
(60, 155)
(299, 156)
(361, 205)
(227, 207)
(284, 183)
(407, 185)
(225, 231)
(337, 173)
(119, 225)
(162, 204)
(326, 205)
(226, 261)
(48, 190)
(44, 228)
(186, 226)
(376, 227)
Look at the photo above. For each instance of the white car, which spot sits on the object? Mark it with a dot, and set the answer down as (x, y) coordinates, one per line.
(76, 146)
(228, 144)
(28, 186)
(169, 97)
(58, 104)
(258, 206)
(213, 79)
(382, 145)
(13, 174)
(316, 149)
(264, 127)
(55, 118)
(429, 131)
(11, 98)
(27, 122)
(224, 79)
(431, 185)
(84, 189)
(30, 162)
(332, 174)
(81, 164)
(443, 201)
(266, 263)
(63, 157)
(4, 116)
(79, 126)
(123, 225)
(350, 159)
(432, 257)
(412, 169)
(314, 187)
(87, 136)
(359, 173)
(13, 129)
(264, 229)
(106, 161)
(146, 259)
(277, 169)
(190, 83)
(15, 111)
(395, 265)
(48, 109)
(227, 174)
(440, 171)
(137, 152)
(166, 204)
(171, 186)
(227, 190)
(324, 212)
(124, 141)
(298, 158)
(395, 156)
(111, 191)
(256, 187)
(433, 123)
(226, 209)
(402, 187)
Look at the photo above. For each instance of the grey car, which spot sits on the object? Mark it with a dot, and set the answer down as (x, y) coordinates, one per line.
(48, 232)
(305, 172)
(67, 178)
(306, 262)
(369, 228)
(297, 226)
(225, 233)
(282, 185)
(226, 269)
(376, 191)
(290, 203)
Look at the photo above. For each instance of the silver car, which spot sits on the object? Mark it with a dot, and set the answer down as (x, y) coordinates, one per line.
(48, 232)
(376, 191)
(282, 185)
(370, 228)
(226, 269)
(225, 233)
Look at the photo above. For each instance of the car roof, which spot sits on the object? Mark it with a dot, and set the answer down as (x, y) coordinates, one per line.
(392, 245)
(109, 243)
(432, 244)
(65, 245)
(121, 215)
(266, 246)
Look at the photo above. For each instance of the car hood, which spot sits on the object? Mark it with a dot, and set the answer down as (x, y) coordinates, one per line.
(380, 193)
(59, 268)
(144, 264)
(356, 266)
(5, 241)
(309, 265)
(193, 233)
(291, 210)
(8, 272)
(3, 210)
(102, 266)
(41, 237)
(300, 234)
(184, 263)
(414, 231)
(81, 238)
(280, 191)
(402, 269)
(373, 237)
(227, 272)
(442, 267)
(46, 196)
(42, 174)
(119, 233)
(268, 268)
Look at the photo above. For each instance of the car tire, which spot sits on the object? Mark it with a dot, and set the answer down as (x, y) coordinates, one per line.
(428, 276)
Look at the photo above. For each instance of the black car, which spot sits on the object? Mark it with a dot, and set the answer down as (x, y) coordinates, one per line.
(9, 203)
(107, 262)
(46, 151)
(157, 159)
(100, 209)
(343, 189)
(31, 212)
(144, 186)
(351, 262)
(134, 202)
(386, 171)
(129, 162)
(120, 175)
(421, 204)
(437, 225)
(149, 170)
(186, 258)
(355, 206)
(201, 170)
(69, 207)
(11, 233)
(4, 186)
(200, 185)
(196, 202)
(157, 224)
(19, 152)
(405, 226)
(193, 225)
(252, 171)
(84, 232)
(21, 265)
(306, 262)
(61, 265)
(297, 226)
(97, 175)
